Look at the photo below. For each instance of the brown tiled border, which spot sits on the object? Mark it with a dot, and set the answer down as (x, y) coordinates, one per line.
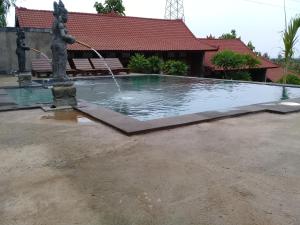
(131, 126)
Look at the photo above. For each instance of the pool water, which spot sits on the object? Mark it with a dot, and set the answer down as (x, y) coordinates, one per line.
(152, 97)
(30, 96)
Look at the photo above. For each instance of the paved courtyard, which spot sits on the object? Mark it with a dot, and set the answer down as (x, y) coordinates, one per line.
(8, 80)
(65, 169)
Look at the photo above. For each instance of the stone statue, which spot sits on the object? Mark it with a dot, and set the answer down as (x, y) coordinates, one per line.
(63, 91)
(59, 42)
(21, 50)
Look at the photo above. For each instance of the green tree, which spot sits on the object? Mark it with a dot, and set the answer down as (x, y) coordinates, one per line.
(249, 61)
(251, 46)
(290, 39)
(228, 60)
(110, 6)
(231, 61)
(210, 36)
(266, 55)
(231, 35)
(4, 8)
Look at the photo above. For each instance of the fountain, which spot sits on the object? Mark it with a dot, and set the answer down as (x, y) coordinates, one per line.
(101, 57)
(63, 91)
(24, 79)
(41, 53)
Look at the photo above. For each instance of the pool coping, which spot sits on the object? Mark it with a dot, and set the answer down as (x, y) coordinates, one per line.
(130, 126)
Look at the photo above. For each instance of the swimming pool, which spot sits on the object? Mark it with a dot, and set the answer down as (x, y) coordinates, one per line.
(152, 97)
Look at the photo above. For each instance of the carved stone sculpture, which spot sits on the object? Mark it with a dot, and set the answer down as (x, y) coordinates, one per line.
(21, 50)
(64, 96)
(59, 42)
(63, 91)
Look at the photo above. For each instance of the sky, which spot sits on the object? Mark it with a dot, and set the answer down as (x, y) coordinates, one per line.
(258, 21)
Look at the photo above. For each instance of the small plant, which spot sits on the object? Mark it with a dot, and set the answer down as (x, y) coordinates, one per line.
(175, 67)
(139, 64)
(155, 64)
(290, 79)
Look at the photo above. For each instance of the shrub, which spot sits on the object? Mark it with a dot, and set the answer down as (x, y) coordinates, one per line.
(241, 75)
(139, 64)
(291, 79)
(250, 61)
(155, 64)
(175, 67)
(228, 60)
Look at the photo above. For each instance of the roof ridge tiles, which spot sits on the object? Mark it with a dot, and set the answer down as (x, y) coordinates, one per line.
(119, 32)
(103, 15)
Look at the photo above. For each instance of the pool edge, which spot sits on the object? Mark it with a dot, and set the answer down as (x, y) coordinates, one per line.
(130, 126)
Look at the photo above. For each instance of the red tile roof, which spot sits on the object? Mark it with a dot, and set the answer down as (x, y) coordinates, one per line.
(106, 32)
(235, 45)
(275, 74)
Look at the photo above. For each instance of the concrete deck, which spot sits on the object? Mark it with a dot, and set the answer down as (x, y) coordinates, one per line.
(8, 81)
(65, 169)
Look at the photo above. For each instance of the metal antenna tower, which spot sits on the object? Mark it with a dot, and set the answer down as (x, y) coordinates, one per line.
(174, 9)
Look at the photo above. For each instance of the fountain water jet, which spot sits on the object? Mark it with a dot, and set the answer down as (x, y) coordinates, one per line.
(101, 57)
(41, 53)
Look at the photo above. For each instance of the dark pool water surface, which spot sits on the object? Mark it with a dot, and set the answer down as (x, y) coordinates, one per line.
(152, 97)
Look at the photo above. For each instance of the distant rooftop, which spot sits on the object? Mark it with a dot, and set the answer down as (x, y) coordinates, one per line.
(119, 33)
(235, 45)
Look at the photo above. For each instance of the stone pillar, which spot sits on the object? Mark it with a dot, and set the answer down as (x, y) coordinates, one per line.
(64, 94)
(24, 79)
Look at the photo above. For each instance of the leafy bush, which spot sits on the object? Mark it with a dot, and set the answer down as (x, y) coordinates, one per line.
(228, 60)
(155, 64)
(250, 61)
(291, 79)
(175, 67)
(240, 75)
(231, 60)
(139, 64)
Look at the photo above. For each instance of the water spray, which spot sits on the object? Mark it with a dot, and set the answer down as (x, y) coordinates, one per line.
(41, 53)
(101, 57)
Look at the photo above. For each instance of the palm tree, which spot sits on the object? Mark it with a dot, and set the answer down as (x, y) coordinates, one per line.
(4, 7)
(290, 39)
